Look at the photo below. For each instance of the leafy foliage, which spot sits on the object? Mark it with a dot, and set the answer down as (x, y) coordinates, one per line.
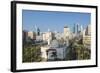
(31, 54)
(77, 51)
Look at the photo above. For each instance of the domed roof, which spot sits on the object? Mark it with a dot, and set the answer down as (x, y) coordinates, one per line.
(54, 43)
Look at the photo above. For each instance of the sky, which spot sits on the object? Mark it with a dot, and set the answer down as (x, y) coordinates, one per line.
(52, 20)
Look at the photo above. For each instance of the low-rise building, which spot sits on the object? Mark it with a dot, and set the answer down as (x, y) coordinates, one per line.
(31, 35)
(47, 36)
(87, 40)
(53, 51)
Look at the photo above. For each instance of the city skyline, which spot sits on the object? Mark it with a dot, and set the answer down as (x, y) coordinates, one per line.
(54, 21)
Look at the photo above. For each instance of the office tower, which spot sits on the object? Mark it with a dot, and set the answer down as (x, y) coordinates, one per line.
(35, 28)
(38, 31)
(74, 29)
(66, 32)
(88, 30)
(77, 28)
(81, 28)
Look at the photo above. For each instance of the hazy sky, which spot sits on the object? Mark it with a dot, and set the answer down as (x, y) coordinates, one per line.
(55, 21)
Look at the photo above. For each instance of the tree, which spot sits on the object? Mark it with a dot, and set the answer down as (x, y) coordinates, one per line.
(77, 51)
(31, 54)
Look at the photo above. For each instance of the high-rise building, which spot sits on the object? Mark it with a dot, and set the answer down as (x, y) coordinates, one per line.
(88, 30)
(81, 28)
(74, 29)
(38, 31)
(78, 28)
(66, 32)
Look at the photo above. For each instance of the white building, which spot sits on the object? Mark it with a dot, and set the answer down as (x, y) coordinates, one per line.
(66, 32)
(53, 51)
(47, 36)
(59, 35)
(31, 35)
(39, 37)
(44, 53)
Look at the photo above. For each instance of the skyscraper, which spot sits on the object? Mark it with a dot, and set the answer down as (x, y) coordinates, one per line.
(38, 31)
(88, 30)
(77, 25)
(66, 32)
(74, 29)
(81, 28)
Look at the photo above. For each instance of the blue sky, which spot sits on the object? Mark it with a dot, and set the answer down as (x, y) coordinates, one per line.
(55, 21)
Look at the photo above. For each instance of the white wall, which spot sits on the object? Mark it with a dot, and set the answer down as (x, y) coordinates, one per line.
(5, 37)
